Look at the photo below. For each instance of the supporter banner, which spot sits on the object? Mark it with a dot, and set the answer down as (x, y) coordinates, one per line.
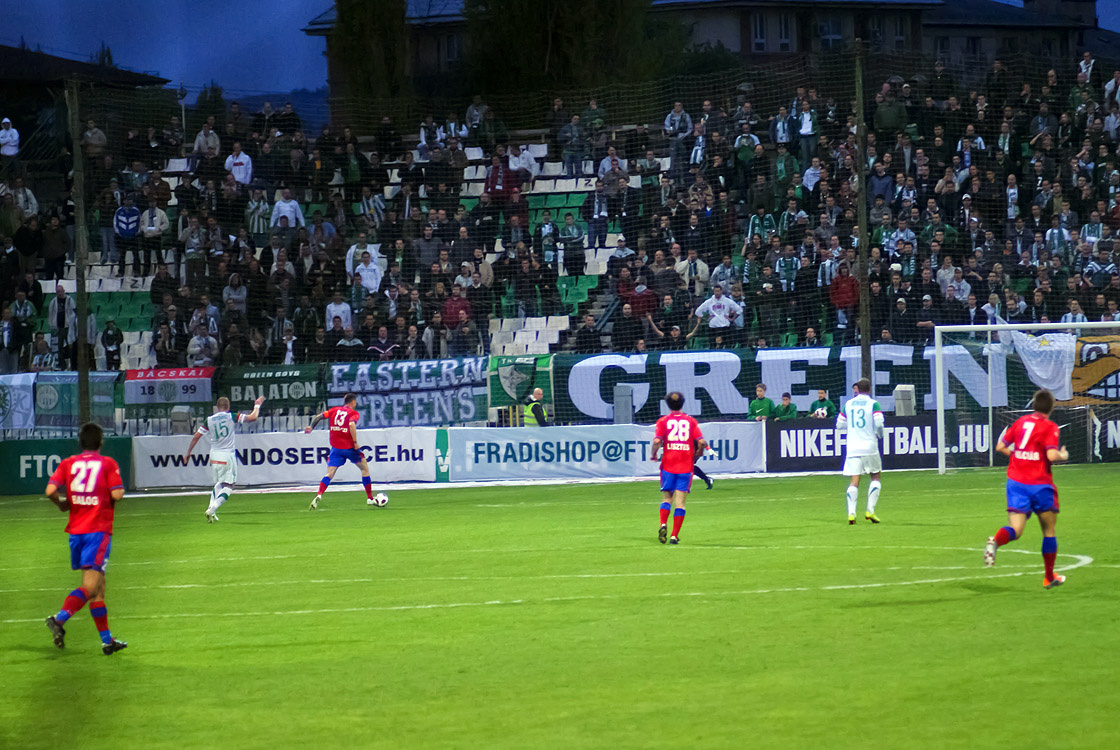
(721, 384)
(908, 443)
(167, 387)
(283, 386)
(1105, 433)
(413, 393)
(17, 401)
(26, 465)
(512, 379)
(56, 399)
(589, 452)
(287, 458)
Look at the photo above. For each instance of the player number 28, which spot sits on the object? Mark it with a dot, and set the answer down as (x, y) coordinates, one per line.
(678, 431)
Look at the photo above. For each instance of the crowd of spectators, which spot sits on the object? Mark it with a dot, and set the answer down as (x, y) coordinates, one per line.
(997, 201)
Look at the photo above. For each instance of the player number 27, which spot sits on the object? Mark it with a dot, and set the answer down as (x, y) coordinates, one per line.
(678, 431)
(85, 476)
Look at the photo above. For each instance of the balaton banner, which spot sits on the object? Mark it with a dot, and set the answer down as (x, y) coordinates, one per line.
(590, 452)
(286, 458)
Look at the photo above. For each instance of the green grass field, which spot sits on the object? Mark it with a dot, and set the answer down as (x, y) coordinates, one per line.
(549, 616)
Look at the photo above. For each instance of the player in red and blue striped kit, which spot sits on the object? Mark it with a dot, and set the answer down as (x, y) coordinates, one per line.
(679, 435)
(343, 421)
(1032, 445)
(93, 486)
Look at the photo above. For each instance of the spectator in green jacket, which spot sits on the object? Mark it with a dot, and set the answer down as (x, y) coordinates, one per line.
(822, 408)
(761, 408)
(786, 410)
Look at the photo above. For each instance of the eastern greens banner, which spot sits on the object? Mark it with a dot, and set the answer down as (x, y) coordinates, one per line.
(17, 401)
(413, 393)
(721, 384)
(283, 386)
(56, 399)
(512, 379)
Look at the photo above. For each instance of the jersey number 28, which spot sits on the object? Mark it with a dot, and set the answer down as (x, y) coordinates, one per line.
(679, 430)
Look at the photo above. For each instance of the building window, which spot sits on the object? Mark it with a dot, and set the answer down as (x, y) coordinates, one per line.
(900, 33)
(972, 46)
(785, 35)
(875, 32)
(451, 51)
(1048, 47)
(758, 32)
(830, 29)
(941, 45)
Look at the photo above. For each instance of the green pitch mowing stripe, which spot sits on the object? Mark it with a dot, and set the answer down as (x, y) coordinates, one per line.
(549, 616)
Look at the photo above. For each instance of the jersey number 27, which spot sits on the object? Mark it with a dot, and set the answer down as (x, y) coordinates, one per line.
(85, 476)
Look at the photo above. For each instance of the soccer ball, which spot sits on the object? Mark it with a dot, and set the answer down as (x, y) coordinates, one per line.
(380, 500)
(821, 413)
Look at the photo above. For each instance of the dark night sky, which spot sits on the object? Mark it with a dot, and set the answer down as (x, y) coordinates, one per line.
(245, 45)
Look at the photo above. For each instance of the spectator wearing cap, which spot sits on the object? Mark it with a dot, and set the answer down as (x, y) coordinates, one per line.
(966, 214)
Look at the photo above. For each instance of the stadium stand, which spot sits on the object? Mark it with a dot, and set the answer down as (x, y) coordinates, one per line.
(1001, 198)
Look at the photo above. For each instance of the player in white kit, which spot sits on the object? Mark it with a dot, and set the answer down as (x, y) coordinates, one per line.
(862, 419)
(219, 427)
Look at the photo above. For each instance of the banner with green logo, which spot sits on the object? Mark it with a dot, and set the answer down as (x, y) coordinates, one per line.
(56, 399)
(17, 401)
(26, 465)
(283, 386)
(512, 379)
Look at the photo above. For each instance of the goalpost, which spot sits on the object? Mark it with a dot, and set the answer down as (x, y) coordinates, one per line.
(991, 339)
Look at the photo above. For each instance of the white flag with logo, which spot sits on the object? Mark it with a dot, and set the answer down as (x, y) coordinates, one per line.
(1049, 360)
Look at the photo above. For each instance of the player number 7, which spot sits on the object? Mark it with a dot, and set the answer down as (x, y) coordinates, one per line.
(1028, 428)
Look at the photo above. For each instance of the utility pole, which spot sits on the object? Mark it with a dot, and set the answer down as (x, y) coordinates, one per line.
(862, 236)
(81, 252)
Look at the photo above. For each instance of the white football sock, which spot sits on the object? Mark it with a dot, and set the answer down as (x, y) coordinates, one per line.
(221, 494)
(873, 494)
(853, 496)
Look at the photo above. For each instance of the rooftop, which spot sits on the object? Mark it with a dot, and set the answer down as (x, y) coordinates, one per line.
(17, 64)
(991, 13)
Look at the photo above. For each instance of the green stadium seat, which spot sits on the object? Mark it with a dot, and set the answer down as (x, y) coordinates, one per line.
(557, 200)
(537, 201)
(826, 339)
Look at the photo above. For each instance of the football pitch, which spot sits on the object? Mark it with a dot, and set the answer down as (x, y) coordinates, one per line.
(550, 617)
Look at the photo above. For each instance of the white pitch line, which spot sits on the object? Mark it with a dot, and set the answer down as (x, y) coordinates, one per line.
(1080, 561)
(398, 579)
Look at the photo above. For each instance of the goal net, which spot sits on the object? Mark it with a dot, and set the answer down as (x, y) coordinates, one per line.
(985, 376)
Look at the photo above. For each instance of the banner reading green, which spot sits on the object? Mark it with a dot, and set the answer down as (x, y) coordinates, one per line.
(283, 386)
(512, 379)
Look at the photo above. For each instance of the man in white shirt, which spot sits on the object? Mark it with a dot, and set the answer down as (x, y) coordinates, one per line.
(9, 145)
(354, 255)
(240, 165)
(369, 272)
(721, 311)
(290, 208)
(338, 308)
(206, 140)
(24, 198)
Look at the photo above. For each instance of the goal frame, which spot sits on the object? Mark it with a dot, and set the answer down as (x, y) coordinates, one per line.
(989, 328)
